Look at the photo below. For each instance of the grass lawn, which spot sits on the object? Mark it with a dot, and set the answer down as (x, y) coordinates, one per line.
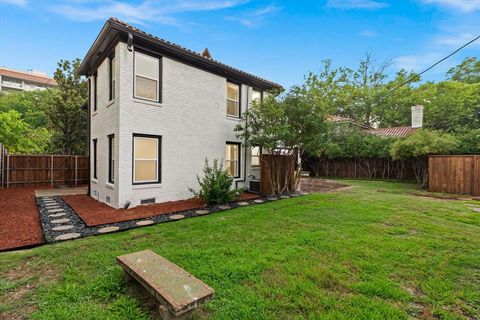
(370, 252)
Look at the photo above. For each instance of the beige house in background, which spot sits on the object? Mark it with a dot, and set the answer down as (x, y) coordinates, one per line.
(15, 80)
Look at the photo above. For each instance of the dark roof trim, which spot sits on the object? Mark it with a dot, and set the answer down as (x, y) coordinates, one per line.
(115, 29)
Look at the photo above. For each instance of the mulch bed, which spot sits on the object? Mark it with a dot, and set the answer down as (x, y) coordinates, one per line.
(19, 219)
(95, 213)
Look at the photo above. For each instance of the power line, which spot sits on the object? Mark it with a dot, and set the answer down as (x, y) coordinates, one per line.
(429, 68)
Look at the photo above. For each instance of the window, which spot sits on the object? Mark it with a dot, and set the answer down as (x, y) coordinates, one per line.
(255, 159)
(94, 158)
(232, 159)
(233, 99)
(147, 77)
(111, 158)
(94, 77)
(256, 95)
(111, 77)
(146, 159)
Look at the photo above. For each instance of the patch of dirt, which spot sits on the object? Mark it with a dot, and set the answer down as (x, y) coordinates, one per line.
(317, 185)
(19, 219)
(438, 196)
(94, 212)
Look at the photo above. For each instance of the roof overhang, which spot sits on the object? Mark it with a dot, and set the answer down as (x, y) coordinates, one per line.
(113, 31)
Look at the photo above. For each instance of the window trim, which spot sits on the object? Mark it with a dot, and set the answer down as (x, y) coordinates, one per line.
(111, 158)
(239, 157)
(160, 75)
(258, 156)
(95, 142)
(159, 158)
(239, 99)
(111, 77)
(95, 78)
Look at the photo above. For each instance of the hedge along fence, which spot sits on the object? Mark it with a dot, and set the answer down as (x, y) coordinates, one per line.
(367, 168)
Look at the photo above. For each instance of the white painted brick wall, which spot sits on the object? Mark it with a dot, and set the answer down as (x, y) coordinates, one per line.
(191, 120)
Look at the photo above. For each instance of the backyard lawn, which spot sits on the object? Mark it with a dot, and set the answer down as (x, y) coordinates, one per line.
(373, 251)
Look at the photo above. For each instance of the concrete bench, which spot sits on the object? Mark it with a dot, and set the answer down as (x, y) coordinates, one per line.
(177, 291)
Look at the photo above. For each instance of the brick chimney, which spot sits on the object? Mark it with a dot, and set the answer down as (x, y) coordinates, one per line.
(417, 116)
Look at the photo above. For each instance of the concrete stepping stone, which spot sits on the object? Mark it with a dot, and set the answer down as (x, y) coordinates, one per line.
(144, 222)
(108, 229)
(243, 203)
(62, 228)
(258, 201)
(177, 217)
(224, 207)
(55, 210)
(295, 195)
(50, 202)
(57, 215)
(67, 236)
(272, 199)
(202, 212)
(58, 221)
(476, 209)
(285, 197)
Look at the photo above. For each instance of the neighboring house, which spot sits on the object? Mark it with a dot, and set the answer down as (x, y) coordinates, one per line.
(14, 80)
(157, 110)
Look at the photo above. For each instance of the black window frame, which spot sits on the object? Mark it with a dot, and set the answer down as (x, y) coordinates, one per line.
(239, 99)
(111, 159)
(159, 158)
(239, 157)
(95, 142)
(160, 74)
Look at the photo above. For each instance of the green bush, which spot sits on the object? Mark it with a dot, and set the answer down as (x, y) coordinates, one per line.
(215, 185)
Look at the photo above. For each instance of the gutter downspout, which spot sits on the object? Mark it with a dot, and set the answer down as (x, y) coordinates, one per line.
(245, 148)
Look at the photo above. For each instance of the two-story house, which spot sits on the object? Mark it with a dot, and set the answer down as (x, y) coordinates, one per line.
(157, 110)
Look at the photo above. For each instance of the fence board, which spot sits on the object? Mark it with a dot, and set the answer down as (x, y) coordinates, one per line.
(454, 174)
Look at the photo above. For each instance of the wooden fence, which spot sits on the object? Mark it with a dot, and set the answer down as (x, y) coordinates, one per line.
(454, 174)
(276, 174)
(368, 168)
(36, 170)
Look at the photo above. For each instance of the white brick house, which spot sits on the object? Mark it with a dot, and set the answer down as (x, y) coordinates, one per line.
(157, 110)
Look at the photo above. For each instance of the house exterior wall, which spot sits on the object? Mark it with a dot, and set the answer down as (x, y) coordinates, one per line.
(191, 119)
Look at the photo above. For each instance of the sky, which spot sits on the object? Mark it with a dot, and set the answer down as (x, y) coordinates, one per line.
(278, 40)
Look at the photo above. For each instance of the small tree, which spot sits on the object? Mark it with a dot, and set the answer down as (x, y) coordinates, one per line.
(215, 185)
(418, 146)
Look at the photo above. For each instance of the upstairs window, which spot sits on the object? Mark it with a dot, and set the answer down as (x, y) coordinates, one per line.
(256, 95)
(255, 159)
(147, 77)
(232, 159)
(233, 100)
(111, 78)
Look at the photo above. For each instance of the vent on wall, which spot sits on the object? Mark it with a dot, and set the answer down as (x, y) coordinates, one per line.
(147, 201)
(107, 199)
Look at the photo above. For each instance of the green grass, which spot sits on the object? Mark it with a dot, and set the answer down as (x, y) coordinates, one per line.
(370, 252)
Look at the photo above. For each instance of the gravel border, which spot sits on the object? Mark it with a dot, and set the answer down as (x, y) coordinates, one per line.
(81, 228)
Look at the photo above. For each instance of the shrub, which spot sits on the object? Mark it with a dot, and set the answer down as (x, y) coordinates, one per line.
(215, 185)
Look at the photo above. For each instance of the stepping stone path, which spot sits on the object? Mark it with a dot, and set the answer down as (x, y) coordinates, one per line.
(57, 215)
(62, 228)
(243, 203)
(144, 222)
(224, 207)
(258, 201)
(108, 229)
(67, 236)
(177, 217)
(64, 220)
(201, 212)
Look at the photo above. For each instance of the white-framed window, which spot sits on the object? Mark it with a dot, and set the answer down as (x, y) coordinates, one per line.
(146, 159)
(255, 157)
(232, 158)
(233, 99)
(147, 77)
(256, 95)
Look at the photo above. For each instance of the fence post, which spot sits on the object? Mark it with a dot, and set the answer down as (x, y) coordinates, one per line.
(8, 168)
(76, 167)
(51, 170)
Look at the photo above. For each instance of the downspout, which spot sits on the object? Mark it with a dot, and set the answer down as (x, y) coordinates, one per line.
(245, 148)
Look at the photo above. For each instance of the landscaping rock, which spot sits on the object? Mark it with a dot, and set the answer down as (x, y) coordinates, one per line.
(201, 212)
(272, 199)
(144, 222)
(177, 217)
(62, 228)
(61, 220)
(285, 197)
(224, 207)
(108, 229)
(67, 236)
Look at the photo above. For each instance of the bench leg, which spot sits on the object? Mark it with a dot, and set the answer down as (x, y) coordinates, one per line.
(128, 278)
(165, 314)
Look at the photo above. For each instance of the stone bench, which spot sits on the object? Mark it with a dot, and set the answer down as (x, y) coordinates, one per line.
(177, 291)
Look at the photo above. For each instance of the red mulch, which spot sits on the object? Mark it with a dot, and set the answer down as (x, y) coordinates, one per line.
(19, 218)
(95, 213)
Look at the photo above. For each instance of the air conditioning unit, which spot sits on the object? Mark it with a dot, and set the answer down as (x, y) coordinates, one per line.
(254, 186)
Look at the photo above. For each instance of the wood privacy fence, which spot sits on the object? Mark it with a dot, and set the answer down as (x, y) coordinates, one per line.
(454, 174)
(369, 168)
(38, 170)
(276, 174)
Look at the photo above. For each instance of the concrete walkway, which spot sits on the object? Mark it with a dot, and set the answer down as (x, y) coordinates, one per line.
(61, 192)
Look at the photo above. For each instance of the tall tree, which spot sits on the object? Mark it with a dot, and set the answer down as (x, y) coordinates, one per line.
(468, 71)
(64, 112)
